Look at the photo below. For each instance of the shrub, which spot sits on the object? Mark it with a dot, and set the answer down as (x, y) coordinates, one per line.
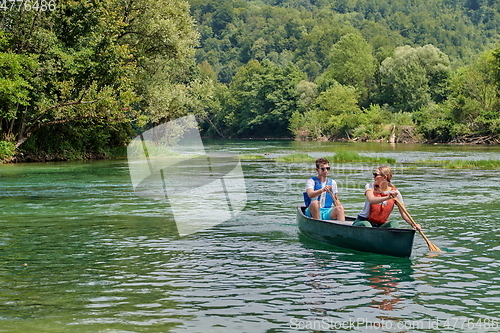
(7, 150)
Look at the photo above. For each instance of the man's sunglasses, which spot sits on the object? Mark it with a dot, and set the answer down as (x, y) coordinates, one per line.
(323, 169)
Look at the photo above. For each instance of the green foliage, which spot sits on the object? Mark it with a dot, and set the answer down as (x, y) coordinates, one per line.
(308, 125)
(251, 157)
(101, 62)
(262, 97)
(337, 115)
(76, 69)
(346, 156)
(374, 124)
(352, 63)
(78, 140)
(435, 122)
(15, 69)
(234, 32)
(462, 164)
(357, 44)
(313, 69)
(338, 106)
(414, 77)
(307, 93)
(471, 108)
(166, 77)
(298, 157)
(69, 67)
(7, 150)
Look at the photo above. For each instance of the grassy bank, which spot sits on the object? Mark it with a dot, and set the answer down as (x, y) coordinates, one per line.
(462, 164)
(342, 156)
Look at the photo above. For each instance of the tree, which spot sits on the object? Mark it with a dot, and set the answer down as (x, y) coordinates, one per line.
(263, 97)
(14, 87)
(106, 62)
(352, 63)
(167, 79)
(339, 105)
(335, 114)
(76, 70)
(474, 99)
(471, 109)
(307, 93)
(414, 77)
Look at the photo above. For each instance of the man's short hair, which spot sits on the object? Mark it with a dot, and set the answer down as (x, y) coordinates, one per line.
(320, 161)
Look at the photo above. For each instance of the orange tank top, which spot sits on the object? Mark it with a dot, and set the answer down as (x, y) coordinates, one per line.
(379, 213)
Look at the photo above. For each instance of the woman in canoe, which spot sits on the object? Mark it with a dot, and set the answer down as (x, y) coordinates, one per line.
(321, 196)
(380, 201)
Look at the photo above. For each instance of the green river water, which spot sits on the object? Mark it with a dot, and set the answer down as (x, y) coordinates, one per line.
(80, 252)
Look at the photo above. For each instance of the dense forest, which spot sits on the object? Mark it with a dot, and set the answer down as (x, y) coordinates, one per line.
(421, 70)
(78, 78)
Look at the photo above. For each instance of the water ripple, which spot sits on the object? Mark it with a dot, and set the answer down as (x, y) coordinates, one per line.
(81, 253)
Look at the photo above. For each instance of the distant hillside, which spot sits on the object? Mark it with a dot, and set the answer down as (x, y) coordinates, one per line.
(390, 70)
(304, 31)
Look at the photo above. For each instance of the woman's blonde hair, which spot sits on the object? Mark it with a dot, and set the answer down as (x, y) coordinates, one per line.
(387, 172)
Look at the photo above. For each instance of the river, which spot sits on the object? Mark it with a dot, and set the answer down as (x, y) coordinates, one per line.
(80, 252)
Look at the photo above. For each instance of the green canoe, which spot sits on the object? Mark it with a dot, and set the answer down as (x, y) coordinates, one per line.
(396, 242)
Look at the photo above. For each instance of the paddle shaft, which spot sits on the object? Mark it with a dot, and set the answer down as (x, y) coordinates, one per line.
(335, 200)
(431, 246)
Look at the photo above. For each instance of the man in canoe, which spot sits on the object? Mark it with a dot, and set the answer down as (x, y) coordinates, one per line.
(321, 196)
(380, 200)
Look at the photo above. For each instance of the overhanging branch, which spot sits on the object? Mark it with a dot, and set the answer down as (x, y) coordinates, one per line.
(36, 124)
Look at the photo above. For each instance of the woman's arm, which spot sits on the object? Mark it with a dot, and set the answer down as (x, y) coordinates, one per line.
(372, 199)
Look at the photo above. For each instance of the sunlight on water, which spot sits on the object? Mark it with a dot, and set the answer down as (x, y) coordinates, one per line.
(82, 253)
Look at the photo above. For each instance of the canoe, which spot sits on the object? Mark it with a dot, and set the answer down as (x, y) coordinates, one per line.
(396, 242)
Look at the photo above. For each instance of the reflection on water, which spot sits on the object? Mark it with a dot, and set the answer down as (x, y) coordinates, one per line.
(81, 253)
(380, 282)
(386, 280)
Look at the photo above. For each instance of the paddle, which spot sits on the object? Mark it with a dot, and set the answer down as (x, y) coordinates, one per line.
(432, 247)
(335, 200)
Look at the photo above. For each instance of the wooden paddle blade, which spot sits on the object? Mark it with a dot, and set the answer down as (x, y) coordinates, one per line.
(432, 247)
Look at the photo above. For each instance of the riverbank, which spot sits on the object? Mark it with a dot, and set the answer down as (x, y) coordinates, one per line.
(26, 157)
(21, 156)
